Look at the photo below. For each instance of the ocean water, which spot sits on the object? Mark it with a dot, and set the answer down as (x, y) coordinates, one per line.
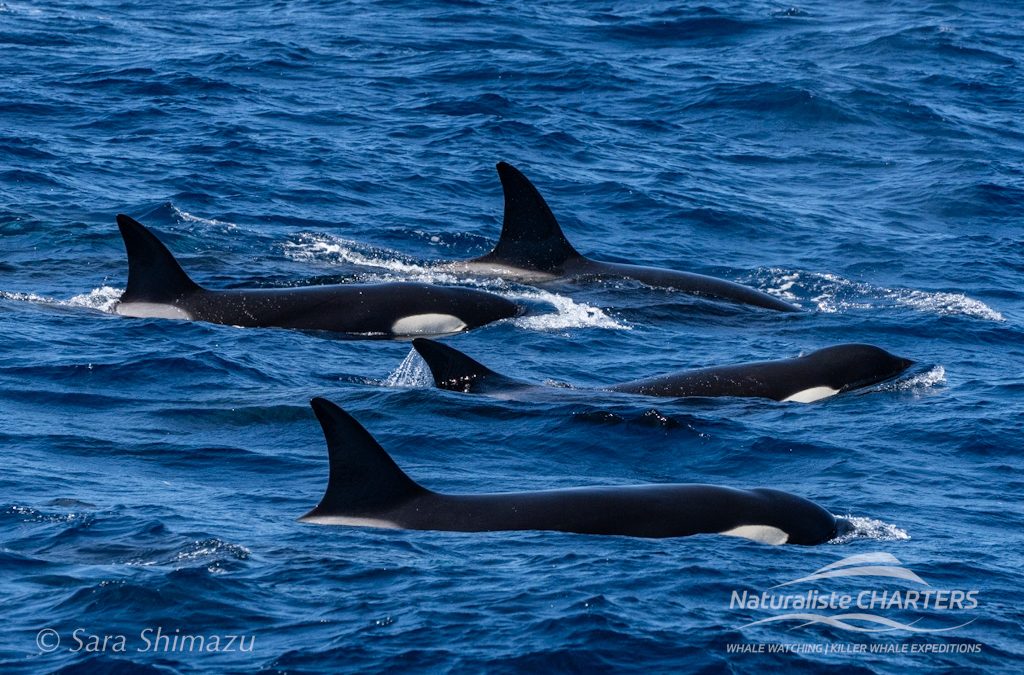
(864, 160)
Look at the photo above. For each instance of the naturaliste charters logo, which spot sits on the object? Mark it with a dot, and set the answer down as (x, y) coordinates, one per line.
(860, 609)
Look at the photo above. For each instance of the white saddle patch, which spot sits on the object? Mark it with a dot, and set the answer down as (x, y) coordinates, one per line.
(498, 270)
(428, 324)
(762, 534)
(811, 395)
(353, 522)
(151, 310)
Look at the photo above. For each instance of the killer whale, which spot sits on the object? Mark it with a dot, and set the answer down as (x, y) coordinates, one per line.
(803, 379)
(533, 248)
(159, 287)
(367, 488)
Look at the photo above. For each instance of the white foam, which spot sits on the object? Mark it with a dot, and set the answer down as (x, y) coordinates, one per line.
(869, 528)
(832, 293)
(328, 248)
(411, 372)
(945, 303)
(931, 378)
(26, 297)
(104, 299)
(568, 314)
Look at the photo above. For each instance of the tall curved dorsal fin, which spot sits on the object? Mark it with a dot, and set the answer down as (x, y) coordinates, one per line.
(531, 237)
(453, 370)
(153, 273)
(363, 478)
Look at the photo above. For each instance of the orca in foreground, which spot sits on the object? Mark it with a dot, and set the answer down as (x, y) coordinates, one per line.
(366, 488)
(805, 379)
(533, 248)
(158, 287)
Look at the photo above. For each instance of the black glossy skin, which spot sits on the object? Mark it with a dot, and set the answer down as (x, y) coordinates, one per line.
(842, 367)
(155, 277)
(365, 483)
(532, 241)
(653, 511)
(346, 308)
(687, 282)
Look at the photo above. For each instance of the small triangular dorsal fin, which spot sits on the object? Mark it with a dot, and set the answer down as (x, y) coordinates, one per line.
(363, 478)
(153, 273)
(531, 237)
(453, 370)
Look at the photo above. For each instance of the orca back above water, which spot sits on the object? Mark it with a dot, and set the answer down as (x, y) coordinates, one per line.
(532, 247)
(804, 379)
(159, 287)
(366, 488)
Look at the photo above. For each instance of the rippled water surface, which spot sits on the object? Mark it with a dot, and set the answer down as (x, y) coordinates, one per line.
(862, 160)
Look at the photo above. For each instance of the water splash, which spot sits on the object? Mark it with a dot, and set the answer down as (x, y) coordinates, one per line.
(926, 380)
(869, 528)
(104, 299)
(411, 372)
(568, 314)
(832, 294)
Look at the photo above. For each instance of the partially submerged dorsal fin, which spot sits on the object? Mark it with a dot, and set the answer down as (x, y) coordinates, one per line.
(153, 273)
(453, 370)
(363, 478)
(531, 237)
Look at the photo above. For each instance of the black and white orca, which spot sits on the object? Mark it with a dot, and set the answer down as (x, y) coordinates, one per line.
(804, 379)
(532, 248)
(158, 287)
(366, 488)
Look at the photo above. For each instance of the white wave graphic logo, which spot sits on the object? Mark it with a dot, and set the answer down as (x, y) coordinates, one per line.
(854, 566)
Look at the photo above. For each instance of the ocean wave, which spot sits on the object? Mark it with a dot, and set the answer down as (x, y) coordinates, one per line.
(832, 293)
(186, 217)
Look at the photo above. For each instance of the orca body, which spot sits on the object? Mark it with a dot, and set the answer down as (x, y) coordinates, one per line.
(158, 287)
(804, 379)
(367, 488)
(532, 248)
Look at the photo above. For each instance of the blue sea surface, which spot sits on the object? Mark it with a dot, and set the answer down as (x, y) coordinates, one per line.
(864, 160)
